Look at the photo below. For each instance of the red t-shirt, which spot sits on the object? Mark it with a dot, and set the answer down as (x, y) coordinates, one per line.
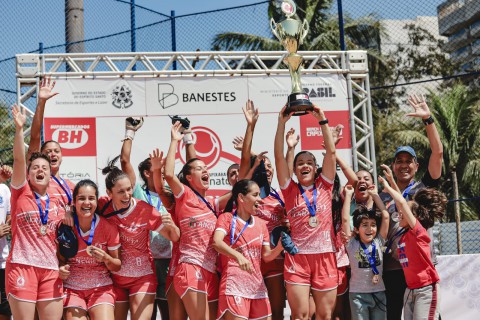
(85, 271)
(235, 281)
(414, 256)
(134, 226)
(310, 240)
(197, 224)
(56, 190)
(272, 212)
(29, 247)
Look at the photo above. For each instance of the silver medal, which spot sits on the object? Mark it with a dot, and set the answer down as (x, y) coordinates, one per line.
(43, 230)
(313, 222)
(395, 216)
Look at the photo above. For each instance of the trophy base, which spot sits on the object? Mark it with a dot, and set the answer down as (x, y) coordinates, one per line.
(298, 104)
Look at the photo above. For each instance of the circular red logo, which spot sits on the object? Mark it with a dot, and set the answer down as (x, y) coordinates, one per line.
(207, 145)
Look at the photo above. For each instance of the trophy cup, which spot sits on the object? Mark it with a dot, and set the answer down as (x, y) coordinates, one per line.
(291, 33)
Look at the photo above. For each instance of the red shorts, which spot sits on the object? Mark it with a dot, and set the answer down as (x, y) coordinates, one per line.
(244, 307)
(123, 287)
(192, 277)
(86, 299)
(342, 280)
(317, 270)
(32, 284)
(273, 268)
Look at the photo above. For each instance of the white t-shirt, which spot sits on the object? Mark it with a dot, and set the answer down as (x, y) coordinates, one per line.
(4, 212)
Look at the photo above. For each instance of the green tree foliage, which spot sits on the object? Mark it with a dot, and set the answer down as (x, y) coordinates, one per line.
(7, 131)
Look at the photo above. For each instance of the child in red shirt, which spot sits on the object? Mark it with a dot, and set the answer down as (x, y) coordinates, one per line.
(416, 216)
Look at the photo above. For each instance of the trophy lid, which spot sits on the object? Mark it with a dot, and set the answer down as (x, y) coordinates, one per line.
(288, 8)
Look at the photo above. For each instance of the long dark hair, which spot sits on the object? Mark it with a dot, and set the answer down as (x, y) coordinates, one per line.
(113, 173)
(81, 184)
(241, 187)
(186, 170)
(337, 203)
(42, 148)
(142, 166)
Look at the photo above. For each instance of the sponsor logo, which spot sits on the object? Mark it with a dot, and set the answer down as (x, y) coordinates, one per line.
(75, 175)
(20, 281)
(207, 145)
(70, 138)
(311, 135)
(320, 92)
(238, 300)
(198, 275)
(122, 97)
(76, 136)
(166, 96)
(209, 97)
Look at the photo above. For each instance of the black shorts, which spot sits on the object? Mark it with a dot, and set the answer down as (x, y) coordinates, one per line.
(4, 306)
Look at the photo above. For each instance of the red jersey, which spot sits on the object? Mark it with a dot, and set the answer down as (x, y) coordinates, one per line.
(310, 240)
(197, 224)
(29, 246)
(85, 271)
(235, 281)
(414, 256)
(272, 212)
(59, 190)
(134, 226)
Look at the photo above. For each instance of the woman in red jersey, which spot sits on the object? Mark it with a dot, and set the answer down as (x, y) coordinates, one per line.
(309, 208)
(87, 281)
(33, 281)
(135, 283)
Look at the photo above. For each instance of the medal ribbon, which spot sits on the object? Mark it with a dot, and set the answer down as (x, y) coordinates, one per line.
(65, 188)
(114, 212)
(371, 256)
(149, 198)
(275, 194)
(407, 189)
(92, 229)
(43, 215)
(232, 231)
(398, 234)
(205, 201)
(312, 207)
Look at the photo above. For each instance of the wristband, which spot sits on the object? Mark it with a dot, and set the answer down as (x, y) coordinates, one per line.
(187, 138)
(129, 134)
(325, 121)
(428, 121)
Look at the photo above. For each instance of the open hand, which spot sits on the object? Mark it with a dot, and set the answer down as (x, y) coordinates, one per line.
(420, 107)
(46, 88)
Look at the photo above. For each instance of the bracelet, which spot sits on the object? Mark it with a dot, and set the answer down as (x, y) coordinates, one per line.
(325, 121)
(428, 121)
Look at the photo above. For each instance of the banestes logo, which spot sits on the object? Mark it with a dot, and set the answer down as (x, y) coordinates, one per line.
(76, 136)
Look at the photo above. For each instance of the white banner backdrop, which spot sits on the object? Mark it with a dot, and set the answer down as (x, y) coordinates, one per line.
(88, 117)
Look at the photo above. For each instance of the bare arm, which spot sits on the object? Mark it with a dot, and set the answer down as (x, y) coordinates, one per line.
(329, 160)
(268, 254)
(169, 231)
(389, 176)
(19, 162)
(251, 115)
(169, 172)
(281, 165)
(401, 204)
(372, 191)
(156, 158)
(292, 142)
(346, 211)
(125, 160)
(221, 247)
(111, 259)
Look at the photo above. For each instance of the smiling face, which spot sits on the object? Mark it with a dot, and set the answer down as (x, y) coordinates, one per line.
(121, 193)
(304, 168)
(54, 152)
(364, 181)
(269, 170)
(251, 201)
(367, 230)
(39, 174)
(232, 174)
(198, 178)
(86, 202)
(404, 167)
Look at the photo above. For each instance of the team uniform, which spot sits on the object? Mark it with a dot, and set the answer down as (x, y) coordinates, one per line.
(160, 247)
(32, 265)
(421, 297)
(315, 264)
(196, 269)
(61, 189)
(242, 293)
(4, 248)
(89, 283)
(273, 213)
(134, 225)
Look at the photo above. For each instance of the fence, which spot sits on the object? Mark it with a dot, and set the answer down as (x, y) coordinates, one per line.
(421, 47)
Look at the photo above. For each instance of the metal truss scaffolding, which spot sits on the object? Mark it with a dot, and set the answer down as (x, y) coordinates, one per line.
(352, 64)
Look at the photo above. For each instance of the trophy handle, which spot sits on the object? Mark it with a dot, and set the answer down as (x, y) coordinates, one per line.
(273, 26)
(305, 29)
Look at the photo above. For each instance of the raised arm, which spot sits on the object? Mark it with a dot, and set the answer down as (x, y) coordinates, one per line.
(169, 172)
(421, 110)
(292, 140)
(131, 126)
(329, 160)
(19, 162)
(156, 158)
(346, 210)
(251, 115)
(400, 203)
(387, 171)
(351, 176)
(45, 93)
(281, 165)
(372, 191)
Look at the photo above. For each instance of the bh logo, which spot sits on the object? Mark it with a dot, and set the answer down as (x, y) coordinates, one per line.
(207, 145)
(70, 138)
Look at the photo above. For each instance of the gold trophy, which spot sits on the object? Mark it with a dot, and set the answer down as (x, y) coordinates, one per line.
(291, 32)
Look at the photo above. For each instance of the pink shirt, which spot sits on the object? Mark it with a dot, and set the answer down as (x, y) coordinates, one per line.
(55, 190)
(235, 281)
(134, 226)
(29, 247)
(414, 256)
(85, 271)
(310, 240)
(197, 224)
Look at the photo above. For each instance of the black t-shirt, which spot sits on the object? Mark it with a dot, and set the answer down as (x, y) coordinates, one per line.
(391, 259)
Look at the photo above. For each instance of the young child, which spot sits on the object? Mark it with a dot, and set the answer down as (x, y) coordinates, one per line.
(367, 291)
(421, 297)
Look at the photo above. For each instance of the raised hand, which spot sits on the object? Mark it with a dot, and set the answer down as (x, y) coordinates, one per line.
(46, 88)
(19, 116)
(167, 220)
(317, 113)
(156, 159)
(349, 190)
(337, 134)
(251, 114)
(176, 134)
(372, 190)
(282, 117)
(385, 183)
(291, 139)
(238, 143)
(5, 173)
(420, 107)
